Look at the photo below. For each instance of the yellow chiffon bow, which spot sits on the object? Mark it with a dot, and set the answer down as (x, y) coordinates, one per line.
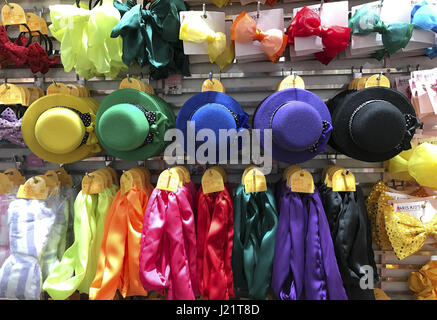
(196, 29)
(419, 163)
(92, 140)
(406, 233)
(424, 282)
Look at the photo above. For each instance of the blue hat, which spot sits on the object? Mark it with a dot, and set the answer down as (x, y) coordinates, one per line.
(211, 110)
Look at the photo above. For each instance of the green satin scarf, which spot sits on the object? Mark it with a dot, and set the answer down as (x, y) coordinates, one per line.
(395, 36)
(79, 262)
(255, 224)
(152, 36)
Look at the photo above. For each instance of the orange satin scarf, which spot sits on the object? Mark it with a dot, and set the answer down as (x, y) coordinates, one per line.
(118, 266)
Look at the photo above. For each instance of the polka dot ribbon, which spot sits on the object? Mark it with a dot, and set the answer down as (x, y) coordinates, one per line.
(151, 118)
(319, 146)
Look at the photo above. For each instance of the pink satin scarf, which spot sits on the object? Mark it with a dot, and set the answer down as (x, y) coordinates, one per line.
(168, 245)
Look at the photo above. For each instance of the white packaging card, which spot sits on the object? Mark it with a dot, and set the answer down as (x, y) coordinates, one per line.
(268, 19)
(331, 14)
(216, 20)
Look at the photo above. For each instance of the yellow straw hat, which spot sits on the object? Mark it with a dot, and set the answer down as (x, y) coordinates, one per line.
(60, 128)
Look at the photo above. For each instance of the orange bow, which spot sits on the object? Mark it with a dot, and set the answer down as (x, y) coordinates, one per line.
(273, 41)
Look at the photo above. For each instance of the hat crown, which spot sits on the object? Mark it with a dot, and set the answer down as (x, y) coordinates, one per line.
(377, 126)
(213, 116)
(296, 126)
(59, 130)
(123, 127)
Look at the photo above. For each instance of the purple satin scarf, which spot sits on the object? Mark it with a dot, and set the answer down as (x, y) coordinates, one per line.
(304, 264)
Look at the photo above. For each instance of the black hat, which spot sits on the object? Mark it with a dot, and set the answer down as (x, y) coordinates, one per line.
(373, 124)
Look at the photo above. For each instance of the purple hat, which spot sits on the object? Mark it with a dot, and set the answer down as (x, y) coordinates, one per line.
(300, 123)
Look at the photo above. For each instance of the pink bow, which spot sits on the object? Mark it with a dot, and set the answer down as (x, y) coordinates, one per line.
(10, 127)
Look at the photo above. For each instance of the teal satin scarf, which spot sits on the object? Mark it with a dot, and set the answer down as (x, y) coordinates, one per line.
(395, 36)
(255, 224)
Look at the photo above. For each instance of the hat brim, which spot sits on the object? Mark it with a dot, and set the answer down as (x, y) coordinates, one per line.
(34, 112)
(266, 109)
(199, 100)
(148, 102)
(342, 113)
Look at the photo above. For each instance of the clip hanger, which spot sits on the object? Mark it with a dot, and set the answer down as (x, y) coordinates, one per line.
(258, 5)
(204, 10)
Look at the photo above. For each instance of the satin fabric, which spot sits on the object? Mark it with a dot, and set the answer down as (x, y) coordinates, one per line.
(30, 223)
(10, 127)
(280, 189)
(5, 200)
(151, 36)
(77, 267)
(273, 41)
(308, 23)
(215, 231)
(197, 30)
(86, 44)
(255, 225)
(118, 266)
(395, 36)
(303, 231)
(351, 237)
(424, 282)
(168, 245)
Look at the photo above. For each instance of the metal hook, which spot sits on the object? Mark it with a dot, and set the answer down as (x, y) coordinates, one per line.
(204, 10)
(6, 83)
(321, 5)
(361, 69)
(8, 4)
(379, 76)
(56, 84)
(210, 76)
(258, 5)
(128, 77)
(417, 67)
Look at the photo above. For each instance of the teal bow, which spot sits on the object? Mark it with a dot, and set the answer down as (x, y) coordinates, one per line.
(395, 36)
(152, 36)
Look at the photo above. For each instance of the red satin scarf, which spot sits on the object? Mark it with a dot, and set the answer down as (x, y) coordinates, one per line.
(215, 232)
(307, 23)
(118, 266)
(168, 245)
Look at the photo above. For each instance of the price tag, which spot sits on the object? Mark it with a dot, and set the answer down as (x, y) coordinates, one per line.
(13, 14)
(168, 181)
(34, 188)
(302, 181)
(212, 181)
(343, 181)
(255, 181)
(377, 81)
(291, 82)
(213, 85)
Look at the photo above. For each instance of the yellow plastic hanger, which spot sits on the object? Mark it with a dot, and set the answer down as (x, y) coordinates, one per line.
(93, 183)
(64, 177)
(180, 174)
(328, 175)
(187, 177)
(212, 181)
(343, 180)
(107, 177)
(254, 181)
(53, 182)
(15, 176)
(34, 188)
(114, 175)
(246, 171)
(168, 181)
(146, 173)
(301, 181)
(6, 185)
(222, 172)
(289, 170)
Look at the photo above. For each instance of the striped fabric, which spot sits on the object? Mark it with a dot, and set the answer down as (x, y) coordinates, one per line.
(4, 229)
(30, 223)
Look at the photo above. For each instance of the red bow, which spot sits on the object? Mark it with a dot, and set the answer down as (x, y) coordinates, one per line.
(307, 23)
(215, 232)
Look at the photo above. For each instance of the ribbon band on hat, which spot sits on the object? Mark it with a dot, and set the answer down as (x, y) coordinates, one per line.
(273, 41)
(88, 119)
(320, 144)
(241, 119)
(307, 23)
(151, 118)
(411, 124)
